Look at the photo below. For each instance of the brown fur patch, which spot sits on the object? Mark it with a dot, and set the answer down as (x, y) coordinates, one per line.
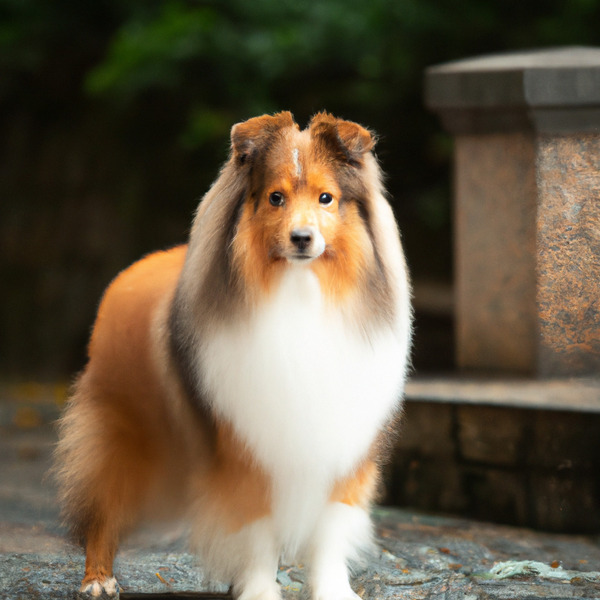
(360, 488)
(345, 262)
(239, 489)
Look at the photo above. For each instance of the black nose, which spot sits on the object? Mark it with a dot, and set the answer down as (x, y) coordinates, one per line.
(301, 238)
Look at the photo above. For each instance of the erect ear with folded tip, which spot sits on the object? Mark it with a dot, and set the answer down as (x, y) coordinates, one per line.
(251, 136)
(347, 140)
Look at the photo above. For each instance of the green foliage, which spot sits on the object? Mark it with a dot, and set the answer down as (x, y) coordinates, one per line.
(233, 58)
(150, 51)
(238, 58)
(184, 70)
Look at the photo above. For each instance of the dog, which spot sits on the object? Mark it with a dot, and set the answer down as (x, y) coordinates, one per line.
(247, 381)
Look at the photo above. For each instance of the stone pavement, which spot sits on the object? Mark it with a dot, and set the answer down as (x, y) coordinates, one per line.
(422, 556)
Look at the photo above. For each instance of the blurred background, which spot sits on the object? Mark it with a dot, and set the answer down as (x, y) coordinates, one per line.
(115, 117)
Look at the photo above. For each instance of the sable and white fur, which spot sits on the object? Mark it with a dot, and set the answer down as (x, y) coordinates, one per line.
(248, 381)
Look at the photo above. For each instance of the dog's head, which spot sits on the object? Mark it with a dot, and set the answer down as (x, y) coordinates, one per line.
(306, 200)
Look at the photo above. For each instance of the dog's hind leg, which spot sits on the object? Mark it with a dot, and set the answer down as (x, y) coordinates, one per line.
(101, 544)
(105, 468)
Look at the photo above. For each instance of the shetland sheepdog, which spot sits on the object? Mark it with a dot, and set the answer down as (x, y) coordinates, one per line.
(247, 381)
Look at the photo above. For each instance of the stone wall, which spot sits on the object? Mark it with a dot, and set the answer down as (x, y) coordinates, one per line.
(536, 468)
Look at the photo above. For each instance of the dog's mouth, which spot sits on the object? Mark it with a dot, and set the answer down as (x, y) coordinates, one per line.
(294, 255)
(302, 257)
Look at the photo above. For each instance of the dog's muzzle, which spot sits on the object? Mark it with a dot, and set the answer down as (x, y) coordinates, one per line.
(307, 243)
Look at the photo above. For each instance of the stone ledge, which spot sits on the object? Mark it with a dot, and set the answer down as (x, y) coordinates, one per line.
(537, 78)
(554, 90)
(574, 394)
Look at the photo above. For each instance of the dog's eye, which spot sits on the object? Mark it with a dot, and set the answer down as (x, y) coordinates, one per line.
(276, 199)
(325, 199)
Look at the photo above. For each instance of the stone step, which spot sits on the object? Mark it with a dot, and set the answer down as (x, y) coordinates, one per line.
(515, 451)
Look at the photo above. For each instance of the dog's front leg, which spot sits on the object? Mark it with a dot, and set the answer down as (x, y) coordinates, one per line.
(256, 572)
(343, 532)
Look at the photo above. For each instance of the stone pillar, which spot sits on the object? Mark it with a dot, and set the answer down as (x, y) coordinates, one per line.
(526, 128)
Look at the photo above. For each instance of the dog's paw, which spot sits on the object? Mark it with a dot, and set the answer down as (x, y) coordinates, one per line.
(97, 587)
(343, 591)
(266, 592)
(346, 595)
(266, 595)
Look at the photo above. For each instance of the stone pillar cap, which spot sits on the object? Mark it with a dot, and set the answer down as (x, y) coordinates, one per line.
(549, 90)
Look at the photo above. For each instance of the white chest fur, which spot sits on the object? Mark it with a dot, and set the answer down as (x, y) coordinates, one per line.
(305, 392)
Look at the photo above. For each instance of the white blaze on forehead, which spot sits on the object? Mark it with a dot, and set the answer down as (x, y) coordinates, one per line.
(296, 159)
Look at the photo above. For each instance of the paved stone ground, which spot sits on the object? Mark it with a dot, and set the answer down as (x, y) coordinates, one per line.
(422, 556)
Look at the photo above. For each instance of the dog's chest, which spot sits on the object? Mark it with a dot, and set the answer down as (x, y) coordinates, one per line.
(302, 388)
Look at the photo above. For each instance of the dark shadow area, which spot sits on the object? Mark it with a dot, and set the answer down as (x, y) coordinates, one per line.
(115, 119)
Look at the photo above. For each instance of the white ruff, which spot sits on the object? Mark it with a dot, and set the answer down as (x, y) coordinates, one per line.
(305, 392)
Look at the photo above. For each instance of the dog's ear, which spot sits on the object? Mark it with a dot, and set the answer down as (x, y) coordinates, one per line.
(348, 141)
(251, 136)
